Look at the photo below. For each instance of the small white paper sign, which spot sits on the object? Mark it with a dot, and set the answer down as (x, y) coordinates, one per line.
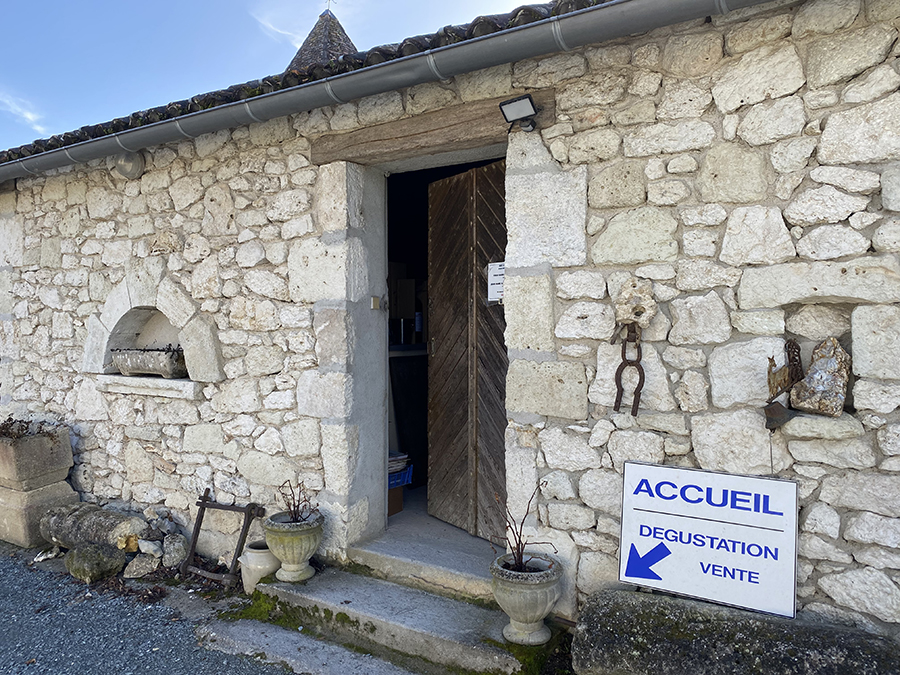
(496, 276)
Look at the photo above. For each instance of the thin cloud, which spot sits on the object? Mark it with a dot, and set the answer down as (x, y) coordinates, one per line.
(22, 110)
(296, 39)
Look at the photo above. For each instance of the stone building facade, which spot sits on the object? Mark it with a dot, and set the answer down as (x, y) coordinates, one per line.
(743, 169)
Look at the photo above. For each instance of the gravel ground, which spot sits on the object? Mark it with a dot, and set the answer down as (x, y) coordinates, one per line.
(52, 623)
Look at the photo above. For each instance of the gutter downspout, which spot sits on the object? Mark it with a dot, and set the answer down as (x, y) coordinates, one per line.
(613, 19)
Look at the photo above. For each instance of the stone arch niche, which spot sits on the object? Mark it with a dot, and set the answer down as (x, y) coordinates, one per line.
(135, 304)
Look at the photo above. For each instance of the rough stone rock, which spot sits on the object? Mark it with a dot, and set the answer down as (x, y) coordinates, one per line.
(732, 174)
(884, 79)
(655, 271)
(769, 122)
(601, 89)
(322, 394)
(568, 451)
(602, 490)
(546, 214)
(889, 439)
(692, 55)
(832, 241)
(738, 371)
(815, 548)
(683, 98)
(558, 485)
(793, 155)
(709, 214)
(872, 279)
(890, 188)
(591, 320)
(887, 237)
(581, 284)
(752, 34)
(528, 306)
(600, 433)
(175, 550)
(824, 388)
(638, 446)
(547, 72)
(634, 302)
(627, 633)
(844, 427)
(772, 71)
(869, 528)
(823, 205)
(73, 525)
(141, 566)
(664, 138)
(850, 180)
(700, 243)
(682, 164)
(825, 17)
(640, 235)
(759, 322)
(863, 491)
(655, 394)
(593, 146)
(702, 275)
(553, 388)
(877, 558)
(864, 134)
(597, 571)
(840, 57)
(699, 320)
(882, 397)
(756, 235)
(682, 357)
(876, 339)
(570, 516)
(620, 185)
(692, 392)
(817, 322)
(862, 219)
(845, 454)
(820, 518)
(865, 590)
(737, 442)
(93, 562)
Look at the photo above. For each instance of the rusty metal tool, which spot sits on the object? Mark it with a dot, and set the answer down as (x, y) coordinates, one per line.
(632, 336)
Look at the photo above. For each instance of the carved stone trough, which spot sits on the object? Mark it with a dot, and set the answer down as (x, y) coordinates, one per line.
(167, 362)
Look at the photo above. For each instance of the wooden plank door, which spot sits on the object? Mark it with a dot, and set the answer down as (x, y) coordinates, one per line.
(467, 355)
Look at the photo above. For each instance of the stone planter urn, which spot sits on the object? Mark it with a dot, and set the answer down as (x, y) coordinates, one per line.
(168, 362)
(257, 562)
(293, 543)
(527, 597)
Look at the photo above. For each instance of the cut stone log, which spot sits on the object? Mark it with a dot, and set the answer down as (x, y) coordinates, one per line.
(92, 562)
(77, 524)
(628, 633)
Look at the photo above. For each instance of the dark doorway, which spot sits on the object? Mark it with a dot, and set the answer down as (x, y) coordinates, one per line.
(448, 359)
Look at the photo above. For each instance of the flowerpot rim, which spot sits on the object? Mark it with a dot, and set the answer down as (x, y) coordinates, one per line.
(281, 523)
(553, 572)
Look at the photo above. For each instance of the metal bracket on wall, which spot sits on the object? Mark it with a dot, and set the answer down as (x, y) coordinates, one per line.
(230, 577)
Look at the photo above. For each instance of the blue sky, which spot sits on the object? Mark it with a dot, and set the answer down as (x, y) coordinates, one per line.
(68, 63)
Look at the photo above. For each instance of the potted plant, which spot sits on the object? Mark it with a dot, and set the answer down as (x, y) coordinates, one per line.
(294, 535)
(525, 584)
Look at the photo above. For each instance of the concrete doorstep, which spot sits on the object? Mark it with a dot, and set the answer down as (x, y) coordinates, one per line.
(431, 633)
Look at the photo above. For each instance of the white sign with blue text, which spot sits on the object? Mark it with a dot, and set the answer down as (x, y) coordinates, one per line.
(714, 536)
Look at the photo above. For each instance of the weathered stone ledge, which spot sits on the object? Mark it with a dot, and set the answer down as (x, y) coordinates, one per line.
(628, 633)
(150, 386)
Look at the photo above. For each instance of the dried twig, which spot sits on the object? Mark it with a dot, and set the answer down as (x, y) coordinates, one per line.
(298, 502)
(516, 541)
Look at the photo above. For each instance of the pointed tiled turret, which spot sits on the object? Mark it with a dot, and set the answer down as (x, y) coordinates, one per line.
(326, 41)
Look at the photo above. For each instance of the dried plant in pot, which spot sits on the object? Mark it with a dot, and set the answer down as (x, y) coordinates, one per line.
(525, 583)
(295, 534)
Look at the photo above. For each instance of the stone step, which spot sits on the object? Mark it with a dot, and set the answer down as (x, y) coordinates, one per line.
(391, 620)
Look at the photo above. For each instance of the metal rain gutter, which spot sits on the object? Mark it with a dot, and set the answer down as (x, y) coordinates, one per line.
(613, 19)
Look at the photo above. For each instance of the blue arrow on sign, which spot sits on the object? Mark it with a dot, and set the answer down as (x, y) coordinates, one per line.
(639, 566)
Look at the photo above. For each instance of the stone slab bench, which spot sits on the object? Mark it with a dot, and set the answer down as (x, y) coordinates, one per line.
(630, 633)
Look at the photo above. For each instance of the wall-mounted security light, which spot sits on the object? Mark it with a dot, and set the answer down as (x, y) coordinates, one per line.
(130, 165)
(521, 110)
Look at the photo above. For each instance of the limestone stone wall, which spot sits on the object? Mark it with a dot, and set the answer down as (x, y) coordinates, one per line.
(746, 170)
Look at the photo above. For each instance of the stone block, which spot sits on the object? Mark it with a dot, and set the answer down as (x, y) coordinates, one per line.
(737, 442)
(753, 34)
(863, 491)
(824, 17)
(34, 461)
(21, 512)
(238, 396)
(339, 196)
(568, 450)
(864, 134)
(872, 280)
(769, 122)
(570, 516)
(832, 241)
(849, 180)
(528, 307)
(641, 235)
(635, 446)
(628, 633)
(594, 146)
(817, 322)
(318, 271)
(881, 397)
(617, 186)
(202, 351)
(546, 215)
(820, 518)
(699, 320)
(738, 372)
(580, 284)
(176, 303)
(865, 590)
(845, 427)
(840, 57)
(602, 490)
(262, 469)
(823, 205)
(876, 341)
(692, 55)
(733, 174)
(844, 454)
(552, 388)
(683, 98)
(333, 338)
(869, 528)
(759, 322)
(669, 138)
(702, 275)
(772, 71)
(792, 155)
(590, 320)
(323, 395)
